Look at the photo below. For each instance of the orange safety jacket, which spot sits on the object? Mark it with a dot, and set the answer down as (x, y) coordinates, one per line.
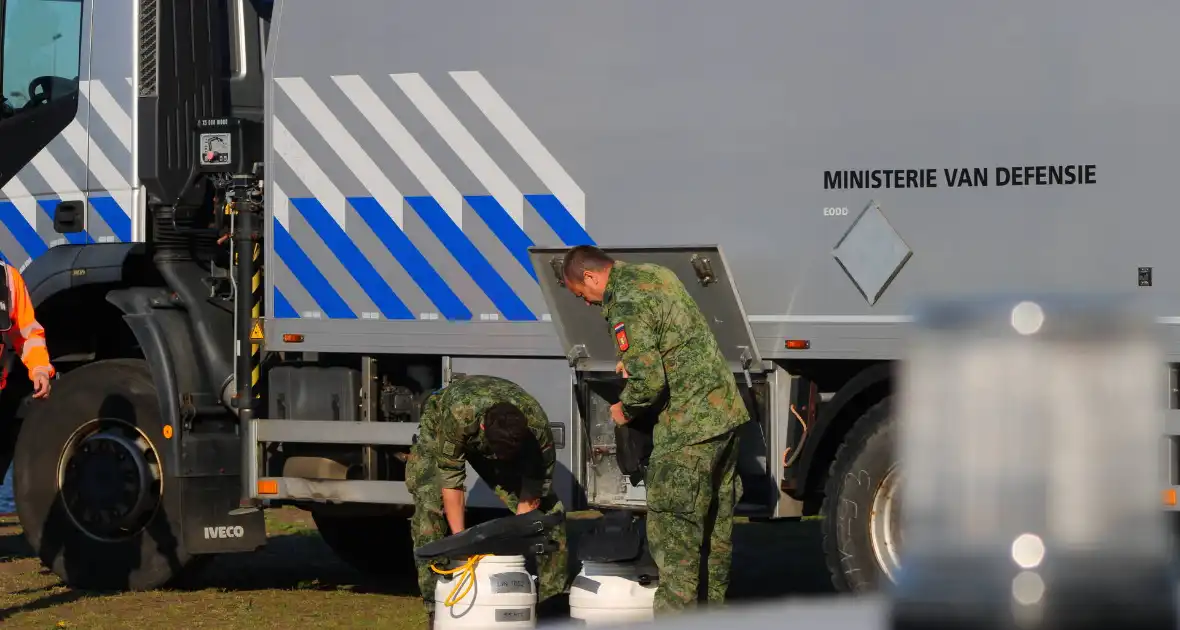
(25, 336)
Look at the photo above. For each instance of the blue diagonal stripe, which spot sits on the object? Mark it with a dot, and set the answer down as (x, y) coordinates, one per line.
(115, 217)
(505, 229)
(282, 306)
(470, 259)
(24, 233)
(306, 273)
(74, 238)
(412, 260)
(351, 257)
(560, 219)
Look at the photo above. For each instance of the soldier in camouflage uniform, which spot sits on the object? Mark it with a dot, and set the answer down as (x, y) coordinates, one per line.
(504, 433)
(672, 361)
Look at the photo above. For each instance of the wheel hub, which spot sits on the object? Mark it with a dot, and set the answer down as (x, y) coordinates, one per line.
(885, 533)
(109, 479)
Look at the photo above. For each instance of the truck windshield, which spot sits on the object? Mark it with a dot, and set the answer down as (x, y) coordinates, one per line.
(40, 59)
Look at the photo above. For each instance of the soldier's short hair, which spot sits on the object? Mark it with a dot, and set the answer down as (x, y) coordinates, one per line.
(506, 428)
(584, 258)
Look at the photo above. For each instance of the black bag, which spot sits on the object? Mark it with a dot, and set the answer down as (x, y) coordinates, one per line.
(618, 537)
(633, 445)
(633, 441)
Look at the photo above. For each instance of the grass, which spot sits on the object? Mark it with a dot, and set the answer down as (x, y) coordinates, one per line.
(297, 580)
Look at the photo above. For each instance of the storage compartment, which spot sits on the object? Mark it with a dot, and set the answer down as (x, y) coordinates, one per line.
(300, 392)
(606, 482)
(617, 457)
(314, 393)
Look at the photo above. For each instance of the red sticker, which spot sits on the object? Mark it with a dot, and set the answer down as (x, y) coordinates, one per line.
(621, 337)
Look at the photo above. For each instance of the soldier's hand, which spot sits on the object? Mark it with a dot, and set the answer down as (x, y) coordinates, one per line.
(40, 386)
(616, 414)
(524, 507)
(620, 369)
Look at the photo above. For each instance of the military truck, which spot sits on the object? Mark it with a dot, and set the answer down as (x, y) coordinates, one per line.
(256, 232)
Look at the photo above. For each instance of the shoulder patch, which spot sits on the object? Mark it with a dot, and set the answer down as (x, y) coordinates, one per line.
(621, 336)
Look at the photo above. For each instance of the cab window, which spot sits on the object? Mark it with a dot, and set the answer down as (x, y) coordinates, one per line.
(40, 59)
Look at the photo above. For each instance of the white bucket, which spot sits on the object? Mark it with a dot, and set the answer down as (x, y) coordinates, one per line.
(606, 593)
(502, 596)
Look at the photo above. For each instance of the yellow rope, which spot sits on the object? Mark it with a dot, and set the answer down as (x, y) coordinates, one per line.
(466, 578)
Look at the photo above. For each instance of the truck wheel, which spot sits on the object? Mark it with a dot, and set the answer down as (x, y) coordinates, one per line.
(861, 525)
(89, 482)
(374, 545)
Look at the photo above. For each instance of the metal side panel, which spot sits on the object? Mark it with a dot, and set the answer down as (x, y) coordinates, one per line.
(550, 381)
(336, 432)
(411, 337)
(702, 269)
(521, 116)
(333, 491)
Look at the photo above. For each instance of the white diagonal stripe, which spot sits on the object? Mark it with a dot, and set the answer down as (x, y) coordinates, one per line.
(108, 176)
(280, 206)
(107, 108)
(20, 196)
(307, 171)
(462, 143)
(403, 144)
(329, 127)
(54, 175)
(524, 141)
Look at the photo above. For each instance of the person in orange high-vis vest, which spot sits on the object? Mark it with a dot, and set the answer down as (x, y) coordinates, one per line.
(22, 334)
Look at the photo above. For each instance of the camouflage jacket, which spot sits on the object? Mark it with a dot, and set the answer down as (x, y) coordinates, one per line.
(450, 432)
(664, 341)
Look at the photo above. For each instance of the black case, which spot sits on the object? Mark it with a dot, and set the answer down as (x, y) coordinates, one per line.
(633, 441)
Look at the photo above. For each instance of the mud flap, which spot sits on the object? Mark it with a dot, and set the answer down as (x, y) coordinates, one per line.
(208, 526)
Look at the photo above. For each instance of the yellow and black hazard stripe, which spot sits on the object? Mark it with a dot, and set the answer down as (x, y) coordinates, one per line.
(256, 293)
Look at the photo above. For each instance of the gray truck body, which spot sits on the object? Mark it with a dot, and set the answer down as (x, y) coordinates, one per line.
(1030, 140)
(700, 122)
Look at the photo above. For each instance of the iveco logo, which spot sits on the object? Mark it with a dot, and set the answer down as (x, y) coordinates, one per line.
(235, 531)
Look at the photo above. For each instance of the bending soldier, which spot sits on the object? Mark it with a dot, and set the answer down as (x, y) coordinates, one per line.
(674, 366)
(505, 434)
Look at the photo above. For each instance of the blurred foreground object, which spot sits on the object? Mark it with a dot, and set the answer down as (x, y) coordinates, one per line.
(1030, 431)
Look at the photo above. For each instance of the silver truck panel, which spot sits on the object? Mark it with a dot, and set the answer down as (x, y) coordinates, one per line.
(585, 336)
(93, 158)
(703, 122)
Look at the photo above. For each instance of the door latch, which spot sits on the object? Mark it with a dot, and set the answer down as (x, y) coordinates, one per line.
(703, 269)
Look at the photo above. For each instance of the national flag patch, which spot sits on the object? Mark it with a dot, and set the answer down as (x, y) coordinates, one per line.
(621, 337)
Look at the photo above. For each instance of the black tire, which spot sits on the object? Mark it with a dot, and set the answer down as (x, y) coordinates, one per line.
(146, 556)
(863, 460)
(378, 546)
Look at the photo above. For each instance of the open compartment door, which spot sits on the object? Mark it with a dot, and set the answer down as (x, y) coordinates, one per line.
(591, 351)
(584, 336)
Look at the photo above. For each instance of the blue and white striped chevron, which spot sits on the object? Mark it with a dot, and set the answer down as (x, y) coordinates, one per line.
(366, 224)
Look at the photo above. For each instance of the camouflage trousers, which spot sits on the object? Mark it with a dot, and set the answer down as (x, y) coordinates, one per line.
(429, 524)
(691, 496)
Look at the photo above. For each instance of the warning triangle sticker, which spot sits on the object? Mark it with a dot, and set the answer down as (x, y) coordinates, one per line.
(256, 332)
